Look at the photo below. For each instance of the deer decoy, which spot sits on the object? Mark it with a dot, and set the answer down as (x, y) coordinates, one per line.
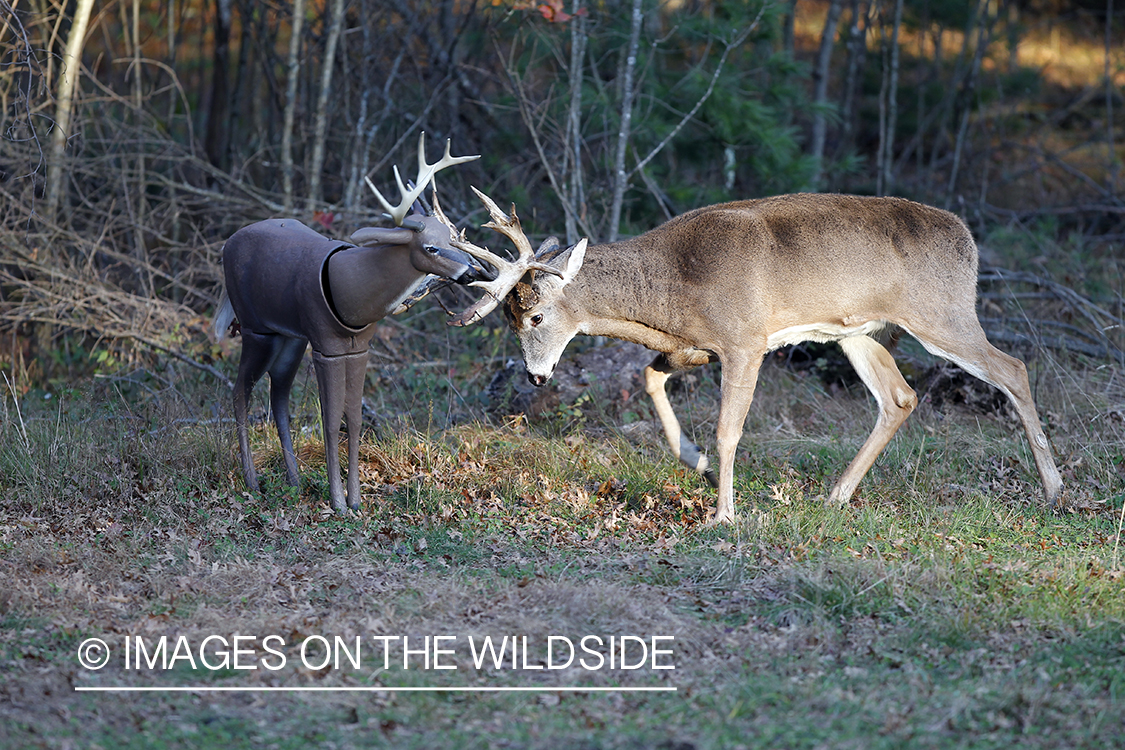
(289, 286)
(732, 282)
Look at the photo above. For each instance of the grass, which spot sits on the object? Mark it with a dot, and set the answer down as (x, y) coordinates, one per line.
(945, 607)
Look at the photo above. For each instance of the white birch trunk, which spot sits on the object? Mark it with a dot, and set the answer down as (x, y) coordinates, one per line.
(621, 179)
(320, 132)
(573, 148)
(64, 103)
(294, 67)
(820, 95)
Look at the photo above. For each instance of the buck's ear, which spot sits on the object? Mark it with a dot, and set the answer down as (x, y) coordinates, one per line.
(370, 236)
(547, 249)
(569, 261)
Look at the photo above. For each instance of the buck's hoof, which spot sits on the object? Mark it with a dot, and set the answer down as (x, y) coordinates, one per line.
(724, 519)
(1055, 500)
(838, 499)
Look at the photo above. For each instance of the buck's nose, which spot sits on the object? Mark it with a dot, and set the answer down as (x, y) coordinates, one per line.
(537, 380)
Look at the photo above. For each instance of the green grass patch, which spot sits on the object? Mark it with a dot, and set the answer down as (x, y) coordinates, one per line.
(944, 607)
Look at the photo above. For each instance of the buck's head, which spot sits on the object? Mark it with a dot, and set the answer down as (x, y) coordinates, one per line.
(534, 285)
(540, 314)
(429, 237)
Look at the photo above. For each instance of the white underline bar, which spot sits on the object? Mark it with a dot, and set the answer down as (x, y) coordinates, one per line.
(387, 689)
(367, 689)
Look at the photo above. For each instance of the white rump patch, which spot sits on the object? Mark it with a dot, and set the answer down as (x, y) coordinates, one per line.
(821, 333)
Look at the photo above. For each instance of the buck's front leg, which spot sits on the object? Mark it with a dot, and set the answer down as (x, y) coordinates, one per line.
(656, 376)
(331, 378)
(739, 380)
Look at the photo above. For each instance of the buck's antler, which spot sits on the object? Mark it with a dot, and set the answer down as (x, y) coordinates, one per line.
(508, 272)
(426, 173)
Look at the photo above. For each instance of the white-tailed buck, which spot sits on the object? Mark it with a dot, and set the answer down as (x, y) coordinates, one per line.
(732, 282)
(289, 287)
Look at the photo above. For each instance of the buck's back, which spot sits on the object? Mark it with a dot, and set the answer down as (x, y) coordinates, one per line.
(812, 228)
(768, 264)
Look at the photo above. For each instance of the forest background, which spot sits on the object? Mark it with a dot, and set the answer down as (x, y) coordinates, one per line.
(138, 135)
(946, 606)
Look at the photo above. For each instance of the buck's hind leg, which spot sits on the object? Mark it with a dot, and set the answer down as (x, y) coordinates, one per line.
(969, 348)
(287, 359)
(877, 370)
(656, 376)
(257, 352)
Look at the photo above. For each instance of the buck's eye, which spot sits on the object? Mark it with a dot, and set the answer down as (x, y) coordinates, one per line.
(431, 249)
(536, 320)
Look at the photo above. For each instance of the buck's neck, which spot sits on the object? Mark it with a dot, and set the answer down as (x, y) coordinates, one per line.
(366, 284)
(623, 291)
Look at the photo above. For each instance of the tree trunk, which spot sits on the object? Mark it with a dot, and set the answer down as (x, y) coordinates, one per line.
(293, 70)
(947, 112)
(358, 155)
(621, 180)
(367, 127)
(170, 40)
(938, 115)
(887, 142)
(788, 28)
(216, 141)
(983, 27)
(64, 103)
(573, 148)
(857, 49)
(244, 93)
(140, 210)
(820, 82)
(884, 66)
(320, 133)
(920, 93)
(1109, 94)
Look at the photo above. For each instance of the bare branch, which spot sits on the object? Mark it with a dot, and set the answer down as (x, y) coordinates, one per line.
(525, 114)
(728, 48)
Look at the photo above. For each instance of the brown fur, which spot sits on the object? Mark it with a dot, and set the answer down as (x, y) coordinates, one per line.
(732, 281)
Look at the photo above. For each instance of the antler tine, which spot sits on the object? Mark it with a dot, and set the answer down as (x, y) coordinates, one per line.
(426, 174)
(508, 272)
(442, 217)
(507, 225)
